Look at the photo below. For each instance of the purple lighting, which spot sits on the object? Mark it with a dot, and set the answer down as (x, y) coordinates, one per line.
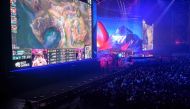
(178, 42)
(165, 11)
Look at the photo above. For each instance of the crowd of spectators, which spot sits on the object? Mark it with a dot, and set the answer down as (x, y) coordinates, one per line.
(160, 84)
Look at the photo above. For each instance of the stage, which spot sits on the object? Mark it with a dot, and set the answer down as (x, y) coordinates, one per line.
(40, 87)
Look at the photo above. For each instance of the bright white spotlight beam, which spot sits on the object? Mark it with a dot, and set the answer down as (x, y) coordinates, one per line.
(164, 12)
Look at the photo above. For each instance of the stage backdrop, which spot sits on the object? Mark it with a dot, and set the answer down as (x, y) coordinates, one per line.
(119, 35)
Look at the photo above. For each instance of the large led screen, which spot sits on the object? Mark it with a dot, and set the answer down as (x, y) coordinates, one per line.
(147, 36)
(119, 35)
(50, 31)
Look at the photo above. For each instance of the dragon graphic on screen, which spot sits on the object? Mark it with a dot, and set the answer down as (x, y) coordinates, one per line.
(123, 37)
(118, 36)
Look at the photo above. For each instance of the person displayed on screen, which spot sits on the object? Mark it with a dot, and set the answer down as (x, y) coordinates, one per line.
(80, 55)
(87, 52)
(147, 36)
(39, 59)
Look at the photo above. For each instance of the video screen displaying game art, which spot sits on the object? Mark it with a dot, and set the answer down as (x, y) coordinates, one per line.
(147, 36)
(123, 35)
(119, 35)
(50, 31)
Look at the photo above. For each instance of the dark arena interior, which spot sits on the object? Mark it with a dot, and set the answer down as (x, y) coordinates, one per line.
(95, 54)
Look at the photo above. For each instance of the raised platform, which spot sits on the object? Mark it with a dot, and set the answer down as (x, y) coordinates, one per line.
(41, 87)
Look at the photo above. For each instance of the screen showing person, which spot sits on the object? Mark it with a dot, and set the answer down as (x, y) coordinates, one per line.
(39, 58)
(88, 53)
(80, 54)
(147, 36)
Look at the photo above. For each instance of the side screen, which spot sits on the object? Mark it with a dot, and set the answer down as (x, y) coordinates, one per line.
(147, 36)
(50, 31)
